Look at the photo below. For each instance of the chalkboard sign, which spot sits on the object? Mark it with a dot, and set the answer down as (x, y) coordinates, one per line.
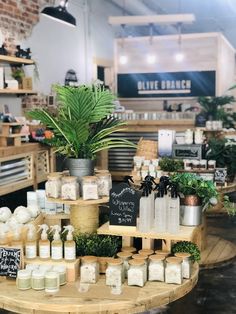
(124, 204)
(10, 261)
(220, 175)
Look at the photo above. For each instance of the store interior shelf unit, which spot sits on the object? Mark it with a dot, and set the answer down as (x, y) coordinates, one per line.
(15, 60)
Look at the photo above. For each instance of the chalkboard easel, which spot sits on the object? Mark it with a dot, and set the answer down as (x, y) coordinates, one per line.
(11, 260)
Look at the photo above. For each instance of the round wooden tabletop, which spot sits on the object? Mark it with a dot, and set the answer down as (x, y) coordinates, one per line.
(97, 299)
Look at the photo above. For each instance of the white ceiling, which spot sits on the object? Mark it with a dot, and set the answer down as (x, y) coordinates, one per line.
(211, 16)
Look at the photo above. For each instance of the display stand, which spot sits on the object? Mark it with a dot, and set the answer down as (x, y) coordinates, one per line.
(97, 300)
(84, 215)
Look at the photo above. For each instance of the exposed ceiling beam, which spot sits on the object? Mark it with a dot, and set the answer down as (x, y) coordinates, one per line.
(151, 19)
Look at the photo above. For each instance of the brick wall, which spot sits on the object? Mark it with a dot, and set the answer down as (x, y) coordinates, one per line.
(17, 19)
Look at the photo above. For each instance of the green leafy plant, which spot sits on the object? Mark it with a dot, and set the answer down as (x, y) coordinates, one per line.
(187, 247)
(96, 245)
(213, 108)
(229, 206)
(81, 126)
(223, 151)
(170, 165)
(192, 184)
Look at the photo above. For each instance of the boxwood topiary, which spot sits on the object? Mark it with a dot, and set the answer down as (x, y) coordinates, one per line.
(187, 247)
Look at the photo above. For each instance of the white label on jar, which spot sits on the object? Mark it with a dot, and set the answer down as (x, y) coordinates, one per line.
(30, 251)
(69, 252)
(56, 252)
(44, 251)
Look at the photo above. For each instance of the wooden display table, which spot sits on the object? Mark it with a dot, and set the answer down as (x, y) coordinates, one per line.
(97, 300)
(193, 234)
(84, 215)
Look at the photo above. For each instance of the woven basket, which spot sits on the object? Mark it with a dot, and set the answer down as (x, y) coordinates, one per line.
(147, 148)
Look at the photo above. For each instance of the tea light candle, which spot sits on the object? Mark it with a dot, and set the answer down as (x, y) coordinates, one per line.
(23, 279)
(52, 282)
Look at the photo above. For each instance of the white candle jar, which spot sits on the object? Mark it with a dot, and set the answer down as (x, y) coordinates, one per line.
(90, 188)
(53, 185)
(125, 256)
(173, 270)
(156, 268)
(37, 280)
(61, 270)
(203, 164)
(89, 270)
(104, 184)
(52, 282)
(115, 273)
(186, 264)
(137, 273)
(142, 257)
(69, 188)
(23, 279)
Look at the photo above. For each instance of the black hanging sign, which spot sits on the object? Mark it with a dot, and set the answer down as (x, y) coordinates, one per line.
(166, 84)
(124, 204)
(10, 261)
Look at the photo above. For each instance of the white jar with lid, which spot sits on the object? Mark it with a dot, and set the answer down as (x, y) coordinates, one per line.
(52, 282)
(195, 164)
(89, 270)
(188, 136)
(146, 252)
(173, 270)
(31, 267)
(156, 268)
(104, 184)
(187, 164)
(211, 164)
(69, 188)
(143, 257)
(115, 272)
(37, 280)
(137, 272)
(186, 264)
(61, 270)
(125, 256)
(53, 185)
(23, 279)
(162, 252)
(129, 249)
(90, 188)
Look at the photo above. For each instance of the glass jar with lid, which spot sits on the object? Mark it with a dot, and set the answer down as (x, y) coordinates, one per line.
(162, 252)
(89, 270)
(52, 282)
(129, 249)
(115, 272)
(142, 257)
(37, 280)
(146, 252)
(23, 279)
(173, 270)
(186, 264)
(69, 188)
(90, 188)
(137, 272)
(53, 185)
(104, 183)
(125, 257)
(156, 268)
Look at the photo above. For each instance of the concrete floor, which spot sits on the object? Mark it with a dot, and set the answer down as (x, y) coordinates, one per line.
(215, 292)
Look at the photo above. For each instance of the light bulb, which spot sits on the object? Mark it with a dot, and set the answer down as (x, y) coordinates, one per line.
(123, 59)
(179, 57)
(151, 59)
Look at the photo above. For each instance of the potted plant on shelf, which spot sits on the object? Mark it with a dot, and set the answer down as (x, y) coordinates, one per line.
(196, 195)
(81, 125)
(187, 247)
(170, 165)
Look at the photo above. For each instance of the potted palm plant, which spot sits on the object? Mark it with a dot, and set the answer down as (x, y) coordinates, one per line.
(82, 126)
(197, 194)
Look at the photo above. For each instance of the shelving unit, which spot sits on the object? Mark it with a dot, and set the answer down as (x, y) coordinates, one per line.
(17, 91)
(9, 132)
(15, 60)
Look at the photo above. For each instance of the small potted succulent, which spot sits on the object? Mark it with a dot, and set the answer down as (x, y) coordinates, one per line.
(196, 195)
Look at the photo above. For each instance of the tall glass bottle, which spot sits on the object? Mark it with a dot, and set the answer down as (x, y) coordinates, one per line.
(145, 211)
(173, 211)
(160, 222)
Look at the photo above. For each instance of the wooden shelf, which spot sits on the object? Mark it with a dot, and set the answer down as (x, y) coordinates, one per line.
(15, 60)
(79, 201)
(197, 171)
(14, 135)
(17, 91)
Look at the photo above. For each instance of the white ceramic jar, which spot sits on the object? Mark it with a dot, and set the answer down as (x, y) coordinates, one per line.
(53, 185)
(69, 188)
(125, 257)
(137, 273)
(156, 268)
(188, 136)
(104, 184)
(186, 264)
(90, 188)
(115, 272)
(173, 270)
(89, 270)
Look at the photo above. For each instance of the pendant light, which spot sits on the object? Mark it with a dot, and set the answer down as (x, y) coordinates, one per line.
(151, 57)
(123, 59)
(60, 14)
(179, 57)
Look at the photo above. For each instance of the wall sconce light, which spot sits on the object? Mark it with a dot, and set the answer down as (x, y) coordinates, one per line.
(60, 14)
